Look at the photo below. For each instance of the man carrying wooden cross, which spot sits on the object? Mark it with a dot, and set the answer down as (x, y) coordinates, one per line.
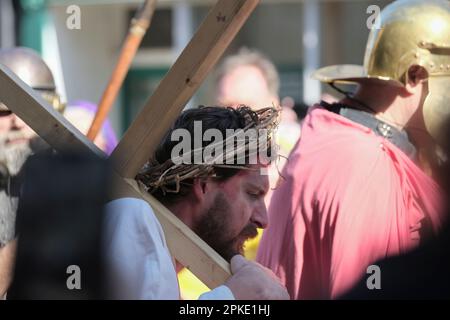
(220, 197)
(138, 144)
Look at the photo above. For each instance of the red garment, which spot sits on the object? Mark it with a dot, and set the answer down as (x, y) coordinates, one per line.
(349, 198)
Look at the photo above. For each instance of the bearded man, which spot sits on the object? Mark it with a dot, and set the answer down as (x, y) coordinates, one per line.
(220, 197)
(17, 142)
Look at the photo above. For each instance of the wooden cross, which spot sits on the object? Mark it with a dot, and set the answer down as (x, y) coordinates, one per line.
(139, 142)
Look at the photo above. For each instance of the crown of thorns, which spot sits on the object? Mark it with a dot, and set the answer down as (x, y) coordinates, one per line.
(169, 176)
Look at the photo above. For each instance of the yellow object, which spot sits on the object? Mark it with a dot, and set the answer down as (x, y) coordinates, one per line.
(191, 287)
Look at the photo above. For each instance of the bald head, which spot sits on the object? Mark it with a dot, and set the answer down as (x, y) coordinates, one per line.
(247, 78)
(245, 85)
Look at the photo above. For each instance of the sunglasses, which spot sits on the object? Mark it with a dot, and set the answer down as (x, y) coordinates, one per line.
(5, 113)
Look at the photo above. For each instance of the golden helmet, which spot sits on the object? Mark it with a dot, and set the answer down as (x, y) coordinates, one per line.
(411, 32)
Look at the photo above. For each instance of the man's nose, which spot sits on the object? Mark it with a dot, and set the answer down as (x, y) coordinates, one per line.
(260, 217)
(16, 122)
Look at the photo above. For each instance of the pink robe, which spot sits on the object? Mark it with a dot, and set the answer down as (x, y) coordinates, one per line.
(349, 198)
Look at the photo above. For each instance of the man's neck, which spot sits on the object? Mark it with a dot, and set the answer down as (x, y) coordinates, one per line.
(384, 103)
(185, 212)
(396, 112)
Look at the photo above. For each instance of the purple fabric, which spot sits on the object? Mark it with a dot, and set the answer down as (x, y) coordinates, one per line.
(107, 130)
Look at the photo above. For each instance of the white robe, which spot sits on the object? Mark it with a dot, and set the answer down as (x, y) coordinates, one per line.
(137, 260)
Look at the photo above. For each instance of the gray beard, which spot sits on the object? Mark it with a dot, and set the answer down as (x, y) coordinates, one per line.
(13, 157)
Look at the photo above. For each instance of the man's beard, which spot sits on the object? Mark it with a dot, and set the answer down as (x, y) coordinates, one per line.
(214, 227)
(13, 156)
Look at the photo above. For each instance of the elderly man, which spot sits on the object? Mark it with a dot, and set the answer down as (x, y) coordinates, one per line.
(217, 190)
(250, 78)
(17, 142)
(247, 78)
(354, 192)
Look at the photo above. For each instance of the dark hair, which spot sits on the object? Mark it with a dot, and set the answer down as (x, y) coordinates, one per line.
(219, 118)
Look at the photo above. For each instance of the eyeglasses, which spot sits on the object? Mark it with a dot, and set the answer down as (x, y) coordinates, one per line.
(5, 113)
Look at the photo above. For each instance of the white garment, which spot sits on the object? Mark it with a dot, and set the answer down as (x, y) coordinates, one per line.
(138, 262)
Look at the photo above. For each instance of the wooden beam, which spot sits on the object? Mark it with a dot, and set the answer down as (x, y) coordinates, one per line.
(183, 243)
(178, 86)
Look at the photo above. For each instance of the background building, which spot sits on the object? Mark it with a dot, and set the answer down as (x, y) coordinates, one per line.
(298, 35)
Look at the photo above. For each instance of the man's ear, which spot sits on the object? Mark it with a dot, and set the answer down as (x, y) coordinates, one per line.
(199, 189)
(415, 76)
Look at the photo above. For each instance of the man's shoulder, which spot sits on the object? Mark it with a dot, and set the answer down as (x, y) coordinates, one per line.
(336, 154)
(135, 214)
(335, 145)
(132, 211)
(330, 133)
(129, 204)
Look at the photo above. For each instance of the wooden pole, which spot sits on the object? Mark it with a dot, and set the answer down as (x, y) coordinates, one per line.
(138, 28)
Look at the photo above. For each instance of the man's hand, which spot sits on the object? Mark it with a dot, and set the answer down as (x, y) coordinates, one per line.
(251, 281)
